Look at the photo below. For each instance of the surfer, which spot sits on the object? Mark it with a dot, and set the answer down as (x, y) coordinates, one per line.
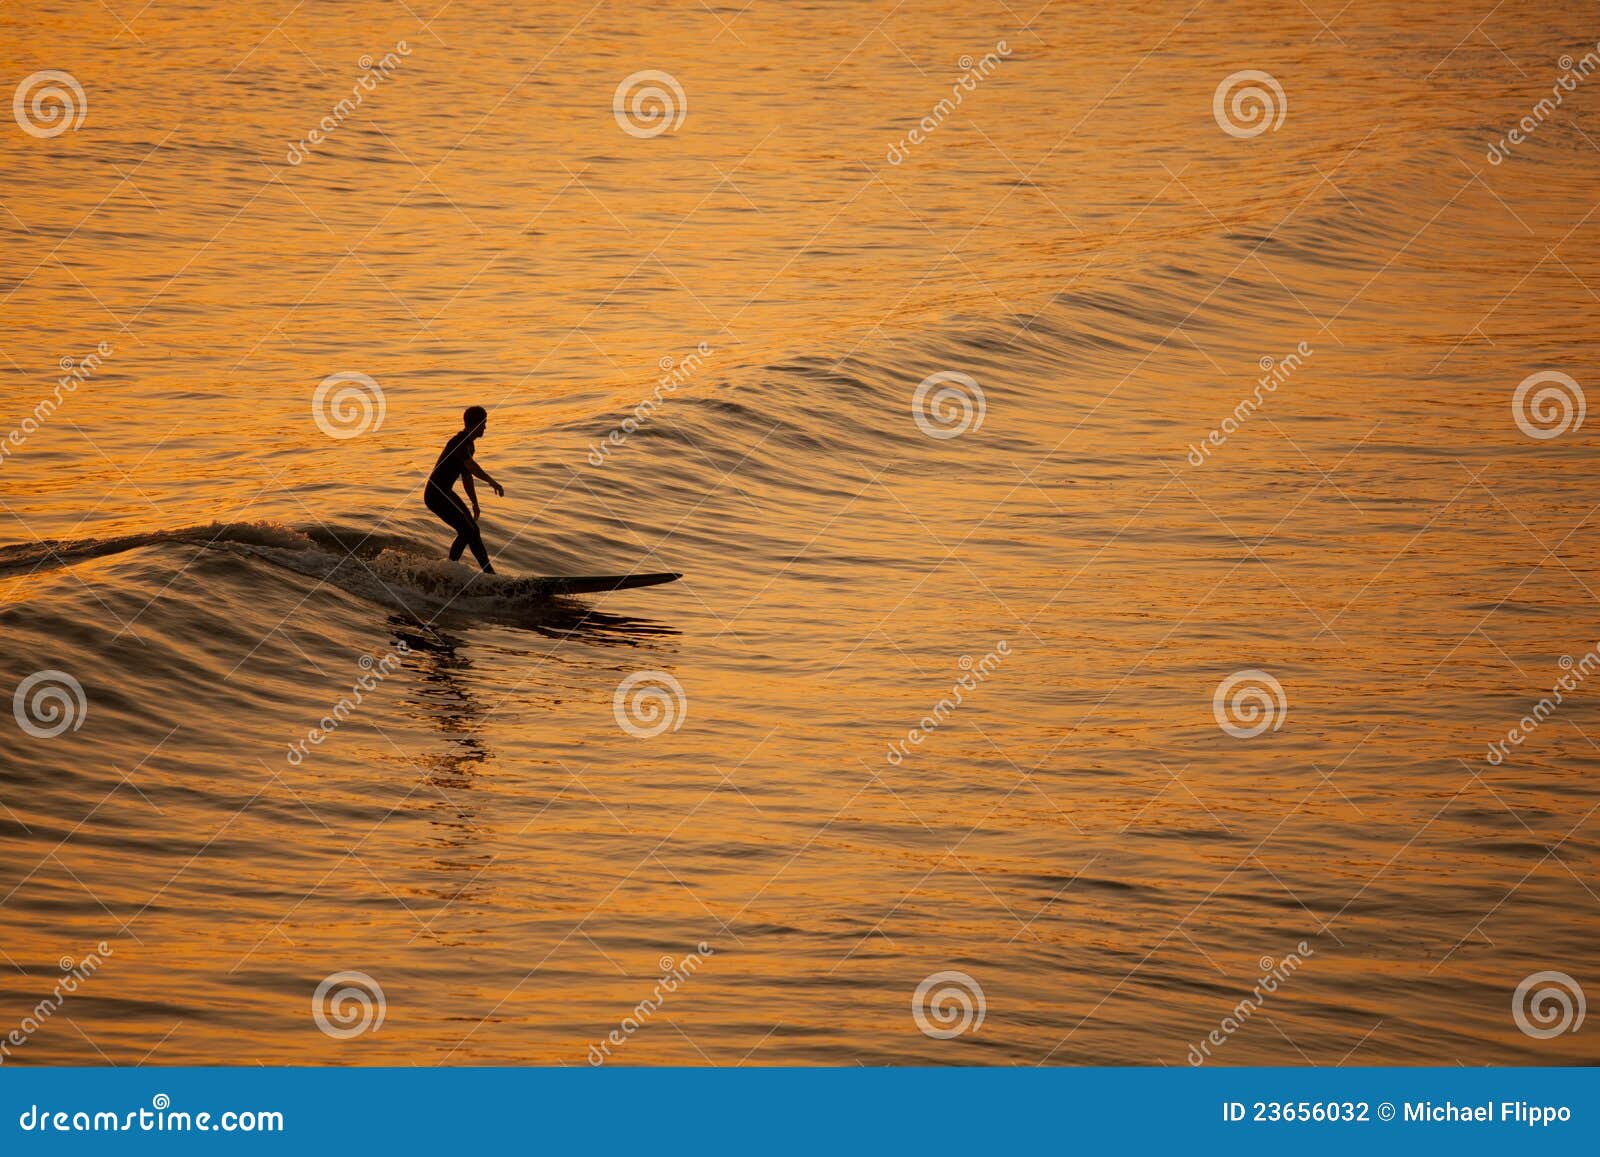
(456, 461)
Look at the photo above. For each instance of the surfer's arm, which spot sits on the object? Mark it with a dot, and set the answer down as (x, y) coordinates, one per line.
(474, 469)
(472, 495)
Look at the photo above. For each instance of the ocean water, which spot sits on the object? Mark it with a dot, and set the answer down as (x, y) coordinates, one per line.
(1033, 715)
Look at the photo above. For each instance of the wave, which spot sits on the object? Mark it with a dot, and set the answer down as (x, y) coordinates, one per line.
(383, 568)
(50, 554)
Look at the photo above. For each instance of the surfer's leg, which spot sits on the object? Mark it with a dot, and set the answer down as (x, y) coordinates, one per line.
(474, 539)
(449, 510)
(459, 520)
(455, 514)
(467, 536)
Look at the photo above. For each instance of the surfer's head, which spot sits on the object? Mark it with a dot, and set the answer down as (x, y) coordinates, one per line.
(475, 419)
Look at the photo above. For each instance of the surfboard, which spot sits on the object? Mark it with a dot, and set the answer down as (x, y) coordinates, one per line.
(588, 584)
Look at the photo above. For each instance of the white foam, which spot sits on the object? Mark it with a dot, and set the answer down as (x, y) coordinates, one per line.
(402, 579)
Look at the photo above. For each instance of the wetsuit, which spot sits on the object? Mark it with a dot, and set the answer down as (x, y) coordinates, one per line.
(439, 494)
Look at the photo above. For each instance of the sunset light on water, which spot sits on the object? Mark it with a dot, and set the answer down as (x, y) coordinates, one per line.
(1056, 537)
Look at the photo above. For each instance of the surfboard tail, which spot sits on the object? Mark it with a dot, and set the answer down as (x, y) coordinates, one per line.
(594, 584)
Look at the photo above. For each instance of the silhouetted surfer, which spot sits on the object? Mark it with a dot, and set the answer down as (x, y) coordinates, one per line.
(455, 461)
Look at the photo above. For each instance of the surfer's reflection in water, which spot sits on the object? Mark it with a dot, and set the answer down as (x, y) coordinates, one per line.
(444, 695)
(456, 461)
(440, 657)
(449, 693)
